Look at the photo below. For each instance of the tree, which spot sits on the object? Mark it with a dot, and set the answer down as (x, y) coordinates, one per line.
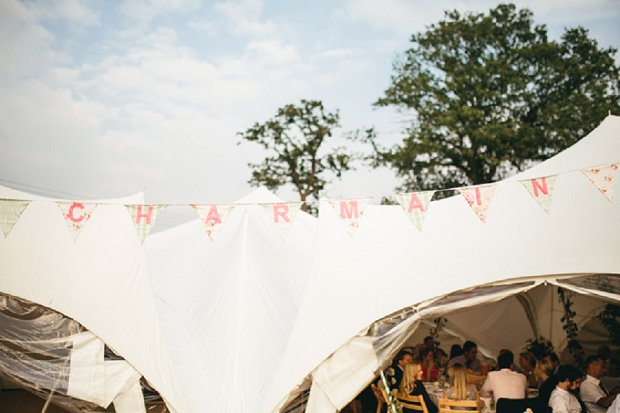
(490, 94)
(294, 138)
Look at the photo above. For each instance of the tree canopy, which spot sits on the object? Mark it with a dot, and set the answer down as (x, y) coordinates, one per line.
(294, 138)
(490, 93)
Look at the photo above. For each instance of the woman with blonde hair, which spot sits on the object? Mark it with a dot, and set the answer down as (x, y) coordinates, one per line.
(412, 385)
(459, 388)
(544, 374)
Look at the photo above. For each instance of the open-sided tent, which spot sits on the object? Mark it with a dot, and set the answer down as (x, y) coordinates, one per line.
(369, 291)
(228, 301)
(100, 280)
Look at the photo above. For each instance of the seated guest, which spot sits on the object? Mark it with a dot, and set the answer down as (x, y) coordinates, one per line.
(469, 358)
(459, 389)
(412, 385)
(544, 374)
(455, 351)
(505, 383)
(430, 372)
(554, 360)
(596, 398)
(402, 359)
(527, 362)
(562, 400)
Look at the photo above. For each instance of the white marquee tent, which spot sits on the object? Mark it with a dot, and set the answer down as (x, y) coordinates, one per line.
(228, 304)
(368, 292)
(101, 281)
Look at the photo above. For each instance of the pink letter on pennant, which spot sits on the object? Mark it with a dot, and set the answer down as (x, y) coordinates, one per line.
(349, 211)
(415, 203)
(72, 208)
(147, 215)
(213, 217)
(537, 186)
(280, 210)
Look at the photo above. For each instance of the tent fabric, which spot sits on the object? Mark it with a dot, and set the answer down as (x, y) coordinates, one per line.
(388, 265)
(99, 280)
(228, 303)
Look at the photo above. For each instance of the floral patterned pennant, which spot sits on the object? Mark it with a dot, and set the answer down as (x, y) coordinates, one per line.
(603, 178)
(76, 215)
(10, 211)
(479, 198)
(213, 217)
(350, 212)
(144, 218)
(283, 214)
(541, 189)
(415, 205)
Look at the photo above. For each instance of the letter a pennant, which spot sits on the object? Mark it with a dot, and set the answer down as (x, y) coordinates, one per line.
(144, 217)
(350, 212)
(479, 199)
(76, 215)
(213, 217)
(415, 205)
(10, 211)
(282, 215)
(541, 190)
(603, 178)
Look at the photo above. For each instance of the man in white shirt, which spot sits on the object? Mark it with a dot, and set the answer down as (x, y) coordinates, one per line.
(505, 383)
(592, 392)
(562, 400)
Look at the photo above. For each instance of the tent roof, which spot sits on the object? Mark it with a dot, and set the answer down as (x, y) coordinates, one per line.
(228, 304)
(100, 280)
(388, 264)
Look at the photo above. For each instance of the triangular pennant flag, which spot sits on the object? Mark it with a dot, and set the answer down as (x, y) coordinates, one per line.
(76, 215)
(282, 214)
(415, 205)
(212, 217)
(541, 190)
(10, 211)
(350, 212)
(479, 198)
(603, 178)
(144, 217)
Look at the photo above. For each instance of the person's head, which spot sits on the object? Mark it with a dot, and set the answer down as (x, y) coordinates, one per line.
(429, 342)
(403, 358)
(569, 377)
(470, 350)
(553, 359)
(458, 381)
(544, 369)
(426, 355)
(455, 351)
(527, 361)
(505, 360)
(595, 366)
(413, 372)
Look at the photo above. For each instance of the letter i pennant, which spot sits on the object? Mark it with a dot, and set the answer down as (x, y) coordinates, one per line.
(144, 217)
(10, 211)
(350, 212)
(603, 178)
(479, 199)
(541, 190)
(76, 215)
(213, 217)
(282, 215)
(415, 205)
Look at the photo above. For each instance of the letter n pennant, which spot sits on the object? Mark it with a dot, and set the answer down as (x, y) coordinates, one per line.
(350, 212)
(213, 217)
(603, 178)
(415, 205)
(479, 199)
(76, 215)
(541, 189)
(282, 215)
(10, 211)
(144, 218)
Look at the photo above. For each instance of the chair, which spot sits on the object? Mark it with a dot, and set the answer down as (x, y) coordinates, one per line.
(412, 402)
(450, 406)
(380, 396)
(516, 405)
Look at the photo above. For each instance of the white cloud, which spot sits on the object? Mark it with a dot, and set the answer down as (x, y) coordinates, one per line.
(143, 11)
(244, 17)
(76, 12)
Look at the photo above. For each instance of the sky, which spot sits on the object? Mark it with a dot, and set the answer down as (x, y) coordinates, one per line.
(100, 99)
